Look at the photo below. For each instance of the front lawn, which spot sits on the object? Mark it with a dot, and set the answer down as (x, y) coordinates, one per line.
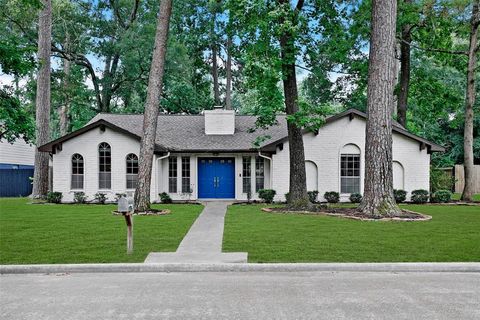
(453, 234)
(45, 233)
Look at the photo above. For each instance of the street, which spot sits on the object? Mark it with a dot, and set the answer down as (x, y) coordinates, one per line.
(237, 295)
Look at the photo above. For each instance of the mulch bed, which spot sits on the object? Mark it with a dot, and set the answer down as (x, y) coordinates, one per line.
(352, 213)
(151, 212)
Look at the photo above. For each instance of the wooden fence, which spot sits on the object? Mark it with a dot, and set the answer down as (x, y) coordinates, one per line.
(460, 178)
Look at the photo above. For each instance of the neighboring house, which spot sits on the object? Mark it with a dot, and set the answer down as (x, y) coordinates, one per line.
(212, 156)
(16, 168)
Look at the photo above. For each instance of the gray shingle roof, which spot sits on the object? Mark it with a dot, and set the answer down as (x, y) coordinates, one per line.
(187, 132)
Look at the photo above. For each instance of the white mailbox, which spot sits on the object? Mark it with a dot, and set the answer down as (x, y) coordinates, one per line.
(123, 205)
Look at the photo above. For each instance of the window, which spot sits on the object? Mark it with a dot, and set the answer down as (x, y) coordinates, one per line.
(247, 174)
(105, 166)
(259, 173)
(172, 175)
(77, 171)
(132, 171)
(350, 173)
(186, 175)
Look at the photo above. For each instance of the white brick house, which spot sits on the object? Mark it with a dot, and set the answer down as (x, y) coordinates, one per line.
(213, 156)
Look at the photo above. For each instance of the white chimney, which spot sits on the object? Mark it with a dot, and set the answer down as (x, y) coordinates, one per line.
(219, 121)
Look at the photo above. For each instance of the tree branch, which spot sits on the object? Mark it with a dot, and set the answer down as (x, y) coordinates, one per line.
(81, 60)
(433, 49)
(299, 5)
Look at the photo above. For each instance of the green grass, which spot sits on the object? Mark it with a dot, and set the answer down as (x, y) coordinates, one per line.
(46, 233)
(452, 235)
(456, 196)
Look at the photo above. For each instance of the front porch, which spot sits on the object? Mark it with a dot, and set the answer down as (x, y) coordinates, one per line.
(193, 176)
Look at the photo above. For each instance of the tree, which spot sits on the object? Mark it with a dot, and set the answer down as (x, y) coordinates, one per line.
(150, 118)
(298, 197)
(404, 82)
(473, 49)
(378, 200)
(276, 36)
(42, 132)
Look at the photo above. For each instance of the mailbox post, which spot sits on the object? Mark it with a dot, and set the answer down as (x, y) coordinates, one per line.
(125, 206)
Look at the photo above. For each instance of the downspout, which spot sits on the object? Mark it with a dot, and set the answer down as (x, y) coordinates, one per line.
(158, 166)
(271, 167)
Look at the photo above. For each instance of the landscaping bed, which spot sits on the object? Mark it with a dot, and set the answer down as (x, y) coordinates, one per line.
(352, 213)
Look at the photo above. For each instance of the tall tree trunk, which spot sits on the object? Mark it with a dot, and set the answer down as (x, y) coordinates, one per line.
(64, 109)
(228, 74)
(378, 199)
(150, 117)
(404, 85)
(467, 194)
(298, 197)
(216, 87)
(42, 103)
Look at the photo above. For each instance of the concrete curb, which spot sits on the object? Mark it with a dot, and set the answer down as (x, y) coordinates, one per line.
(241, 267)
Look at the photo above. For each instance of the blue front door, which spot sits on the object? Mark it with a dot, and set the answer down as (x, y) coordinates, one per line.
(216, 178)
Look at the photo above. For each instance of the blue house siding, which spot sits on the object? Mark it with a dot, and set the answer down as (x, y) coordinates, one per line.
(15, 180)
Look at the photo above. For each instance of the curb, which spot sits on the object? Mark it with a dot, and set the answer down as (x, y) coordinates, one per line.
(473, 267)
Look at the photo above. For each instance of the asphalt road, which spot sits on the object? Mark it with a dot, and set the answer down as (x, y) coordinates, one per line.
(252, 295)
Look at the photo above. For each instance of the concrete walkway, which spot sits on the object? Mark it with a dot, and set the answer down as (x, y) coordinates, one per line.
(203, 242)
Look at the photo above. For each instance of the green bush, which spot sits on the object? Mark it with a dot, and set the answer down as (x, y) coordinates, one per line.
(312, 196)
(100, 197)
(441, 180)
(419, 196)
(165, 198)
(400, 195)
(332, 196)
(355, 198)
(79, 197)
(267, 195)
(54, 197)
(442, 196)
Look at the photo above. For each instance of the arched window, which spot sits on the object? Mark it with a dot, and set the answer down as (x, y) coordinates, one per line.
(132, 170)
(398, 176)
(77, 172)
(312, 175)
(104, 166)
(350, 169)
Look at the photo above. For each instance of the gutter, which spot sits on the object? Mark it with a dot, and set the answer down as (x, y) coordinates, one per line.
(158, 166)
(271, 167)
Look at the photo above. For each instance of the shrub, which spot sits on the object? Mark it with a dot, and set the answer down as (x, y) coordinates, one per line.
(441, 180)
(165, 198)
(419, 196)
(355, 198)
(119, 195)
(79, 197)
(332, 196)
(287, 197)
(312, 195)
(441, 196)
(400, 195)
(100, 197)
(267, 195)
(54, 197)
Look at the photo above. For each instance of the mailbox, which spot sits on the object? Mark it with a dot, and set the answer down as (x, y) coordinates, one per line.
(123, 205)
